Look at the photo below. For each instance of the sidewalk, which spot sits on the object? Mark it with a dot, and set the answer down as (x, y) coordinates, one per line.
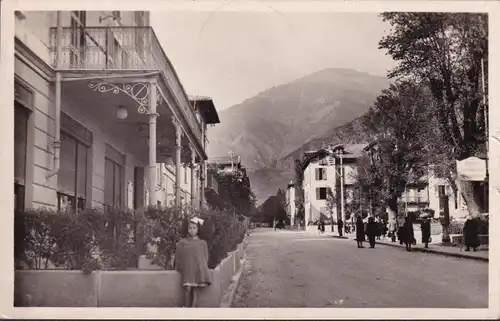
(442, 249)
(439, 248)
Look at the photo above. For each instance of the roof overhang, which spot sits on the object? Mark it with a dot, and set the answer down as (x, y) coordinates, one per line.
(206, 107)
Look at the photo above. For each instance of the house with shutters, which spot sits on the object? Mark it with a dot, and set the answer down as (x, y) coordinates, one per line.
(101, 116)
(329, 168)
(335, 168)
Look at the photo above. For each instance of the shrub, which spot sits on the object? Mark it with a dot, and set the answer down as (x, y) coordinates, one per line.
(89, 240)
(113, 239)
(164, 227)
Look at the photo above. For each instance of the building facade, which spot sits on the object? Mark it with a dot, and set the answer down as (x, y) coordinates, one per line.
(335, 168)
(101, 117)
(290, 205)
(331, 168)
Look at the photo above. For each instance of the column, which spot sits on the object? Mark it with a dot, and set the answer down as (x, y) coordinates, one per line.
(152, 142)
(203, 177)
(178, 148)
(193, 176)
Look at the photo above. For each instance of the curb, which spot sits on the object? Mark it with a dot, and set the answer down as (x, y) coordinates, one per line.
(228, 298)
(424, 250)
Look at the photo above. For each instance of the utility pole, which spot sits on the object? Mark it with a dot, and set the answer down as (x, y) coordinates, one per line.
(231, 154)
(342, 211)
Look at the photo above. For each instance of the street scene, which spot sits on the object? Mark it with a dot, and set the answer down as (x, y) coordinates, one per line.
(323, 272)
(237, 158)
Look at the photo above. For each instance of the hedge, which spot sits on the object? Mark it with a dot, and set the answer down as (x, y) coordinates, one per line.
(107, 239)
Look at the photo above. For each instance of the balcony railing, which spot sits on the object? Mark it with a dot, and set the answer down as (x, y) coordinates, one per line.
(119, 48)
(415, 199)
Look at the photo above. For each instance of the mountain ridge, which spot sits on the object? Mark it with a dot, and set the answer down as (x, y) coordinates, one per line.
(266, 129)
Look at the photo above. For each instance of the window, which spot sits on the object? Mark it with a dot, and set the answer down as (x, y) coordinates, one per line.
(441, 190)
(21, 115)
(321, 193)
(139, 33)
(78, 23)
(113, 178)
(185, 174)
(323, 161)
(72, 175)
(320, 174)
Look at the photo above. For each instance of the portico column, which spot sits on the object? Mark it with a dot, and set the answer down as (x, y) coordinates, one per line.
(152, 142)
(178, 148)
(193, 176)
(203, 177)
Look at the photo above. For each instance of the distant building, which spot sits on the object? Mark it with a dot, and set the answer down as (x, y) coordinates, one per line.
(290, 207)
(323, 169)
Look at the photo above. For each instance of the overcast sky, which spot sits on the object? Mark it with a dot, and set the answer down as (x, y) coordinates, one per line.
(232, 56)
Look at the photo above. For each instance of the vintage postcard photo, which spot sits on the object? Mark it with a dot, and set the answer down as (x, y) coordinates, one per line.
(218, 154)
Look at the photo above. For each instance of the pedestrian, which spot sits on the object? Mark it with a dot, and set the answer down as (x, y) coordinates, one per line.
(360, 232)
(372, 231)
(471, 234)
(322, 226)
(340, 226)
(274, 224)
(407, 233)
(191, 261)
(379, 228)
(385, 229)
(425, 226)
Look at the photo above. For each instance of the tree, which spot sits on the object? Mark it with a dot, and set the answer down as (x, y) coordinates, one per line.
(236, 192)
(446, 51)
(400, 119)
(299, 199)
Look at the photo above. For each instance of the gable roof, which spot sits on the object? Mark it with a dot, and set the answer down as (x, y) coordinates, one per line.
(350, 151)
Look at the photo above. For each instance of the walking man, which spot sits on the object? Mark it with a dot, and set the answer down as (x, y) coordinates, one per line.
(340, 226)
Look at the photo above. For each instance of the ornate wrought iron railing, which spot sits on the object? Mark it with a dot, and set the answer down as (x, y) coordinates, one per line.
(120, 48)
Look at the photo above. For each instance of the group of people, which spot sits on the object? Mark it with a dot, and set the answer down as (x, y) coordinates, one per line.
(373, 230)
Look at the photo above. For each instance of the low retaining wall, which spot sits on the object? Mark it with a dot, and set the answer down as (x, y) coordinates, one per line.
(134, 288)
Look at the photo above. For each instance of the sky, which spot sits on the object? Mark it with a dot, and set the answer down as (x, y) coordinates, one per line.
(233, 55)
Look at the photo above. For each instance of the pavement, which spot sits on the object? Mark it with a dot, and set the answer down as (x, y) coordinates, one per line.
(298, 269)
(435, 248)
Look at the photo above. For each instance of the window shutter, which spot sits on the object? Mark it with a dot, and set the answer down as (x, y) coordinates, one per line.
(82, 171)
(436, 190)
(117, 192)
(317, 193)
(316, 174)
(66, 178)
(108, 182)
(20, 133)
(324, 174)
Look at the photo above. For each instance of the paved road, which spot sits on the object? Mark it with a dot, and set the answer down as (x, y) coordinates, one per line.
(295, 269)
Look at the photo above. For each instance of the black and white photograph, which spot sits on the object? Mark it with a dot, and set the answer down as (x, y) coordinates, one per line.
(249, 154)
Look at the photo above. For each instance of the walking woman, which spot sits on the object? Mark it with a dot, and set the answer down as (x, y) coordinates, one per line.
(471, 234)
(408, 235)
(372, 229)
(360, 232)
(426, 232)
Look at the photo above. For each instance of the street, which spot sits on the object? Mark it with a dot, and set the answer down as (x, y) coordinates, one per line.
(295, 269)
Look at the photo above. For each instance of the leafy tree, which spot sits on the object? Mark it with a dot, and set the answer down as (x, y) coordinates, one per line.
(446, 52)
(400, 118)
(299, 199)
(236, 192)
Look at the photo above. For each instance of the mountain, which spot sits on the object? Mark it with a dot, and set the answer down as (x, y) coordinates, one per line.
(277, 124)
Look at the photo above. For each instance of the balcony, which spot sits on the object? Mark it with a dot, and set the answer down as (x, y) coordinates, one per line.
(415, 199)
(120, 50)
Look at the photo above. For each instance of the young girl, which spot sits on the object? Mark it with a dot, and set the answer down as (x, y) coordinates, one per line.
(191, 260)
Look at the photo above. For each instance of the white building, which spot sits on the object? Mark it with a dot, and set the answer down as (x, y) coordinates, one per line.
(333, 168)
(322, 170)
(290, 203)
(98, 108)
